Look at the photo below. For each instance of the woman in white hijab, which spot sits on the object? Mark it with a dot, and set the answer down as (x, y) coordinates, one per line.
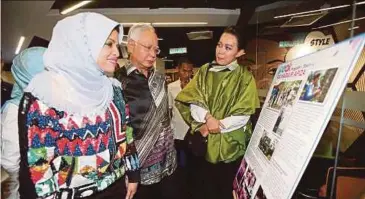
(73, 121)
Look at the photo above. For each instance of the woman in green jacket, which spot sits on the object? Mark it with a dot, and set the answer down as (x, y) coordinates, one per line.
(218, 103)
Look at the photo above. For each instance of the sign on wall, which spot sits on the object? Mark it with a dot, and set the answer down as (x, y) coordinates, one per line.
(182, 50)
(313, 42)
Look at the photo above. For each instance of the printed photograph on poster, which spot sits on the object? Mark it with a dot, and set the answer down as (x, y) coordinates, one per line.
(239, 183)
(284, 93)
(317, 85)
(283, 118)
(260, 194)
(242, 193)
(241, 171)
(250, 180)
(267, 144)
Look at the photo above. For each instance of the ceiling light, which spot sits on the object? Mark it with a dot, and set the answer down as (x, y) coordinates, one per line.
(133, 23)
(313, 11)
(21, 41)
(319, 10)
(338, 23)
(309, 15)
(356, 27)
(160, 39)
(74, 7)
(178, 23)
(127, 24)
(199, 35)
(303, 20)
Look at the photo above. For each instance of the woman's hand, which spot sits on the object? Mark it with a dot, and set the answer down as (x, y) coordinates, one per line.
(213, 124)
(204, 130)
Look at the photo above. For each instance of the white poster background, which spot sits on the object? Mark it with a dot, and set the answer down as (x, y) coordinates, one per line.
(288, 131)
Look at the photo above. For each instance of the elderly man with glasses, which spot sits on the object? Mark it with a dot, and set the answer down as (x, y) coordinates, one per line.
(146, 93)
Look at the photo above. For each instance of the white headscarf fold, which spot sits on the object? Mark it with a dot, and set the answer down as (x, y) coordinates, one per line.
(73, 81)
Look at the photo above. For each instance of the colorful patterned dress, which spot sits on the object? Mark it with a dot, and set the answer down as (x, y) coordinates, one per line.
(71, 156)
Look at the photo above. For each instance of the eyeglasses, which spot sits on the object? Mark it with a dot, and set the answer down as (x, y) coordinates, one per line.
(149, 48)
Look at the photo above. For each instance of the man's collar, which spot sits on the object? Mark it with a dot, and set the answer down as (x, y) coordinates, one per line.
(130, 68)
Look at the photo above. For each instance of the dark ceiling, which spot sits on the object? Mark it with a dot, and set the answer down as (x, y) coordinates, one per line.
(202, 51)
(199, 51)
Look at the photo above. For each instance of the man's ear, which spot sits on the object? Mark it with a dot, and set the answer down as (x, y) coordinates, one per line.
(240, 53)
(130, 46)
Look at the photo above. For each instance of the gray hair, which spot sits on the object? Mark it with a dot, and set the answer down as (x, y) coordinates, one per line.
(136, 30)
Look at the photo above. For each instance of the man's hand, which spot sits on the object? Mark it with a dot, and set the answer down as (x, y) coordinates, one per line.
(234, 195)
(131, 189)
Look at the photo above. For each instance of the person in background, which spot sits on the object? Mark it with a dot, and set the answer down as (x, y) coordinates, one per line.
(6, 75)
(7, 82)
(180, 128)
(25, 65)
(146, 93)
(218, 103)
(73, 120)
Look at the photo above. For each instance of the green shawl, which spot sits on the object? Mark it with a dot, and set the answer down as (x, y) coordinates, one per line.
(234, 95)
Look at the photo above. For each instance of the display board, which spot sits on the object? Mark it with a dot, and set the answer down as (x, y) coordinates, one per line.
(299, 104)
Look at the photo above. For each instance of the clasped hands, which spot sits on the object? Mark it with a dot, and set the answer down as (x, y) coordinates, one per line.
(212, 125)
